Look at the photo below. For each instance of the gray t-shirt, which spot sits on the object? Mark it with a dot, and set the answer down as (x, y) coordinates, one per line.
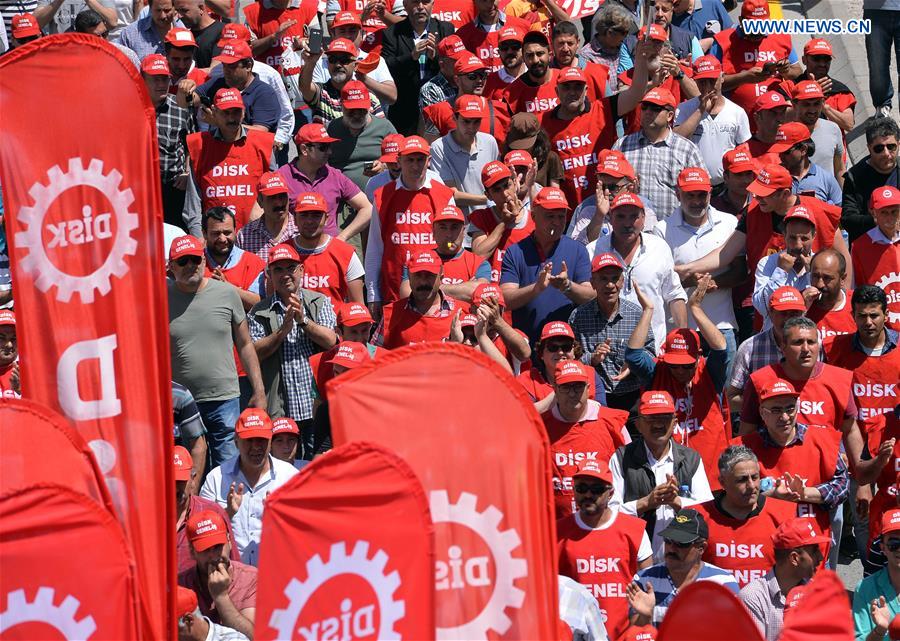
(829, 142)
(350, 154)
(462, 168)
(201, 340)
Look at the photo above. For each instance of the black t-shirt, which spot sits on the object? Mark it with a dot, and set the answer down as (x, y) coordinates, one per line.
(207, 40)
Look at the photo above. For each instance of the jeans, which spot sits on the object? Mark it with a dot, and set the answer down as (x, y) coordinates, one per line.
(219, 418)
(885, 34)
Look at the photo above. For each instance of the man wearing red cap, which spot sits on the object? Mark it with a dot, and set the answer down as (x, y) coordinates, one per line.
(839, 100)
(481, 35)
(387, 167)
(276, 225)
(878, 169)
(809, 101)
(769, 111)
(535, 90)
(25, 28)
(883, 440)
(225, 589)
(875, 601)
(489, 307)
(205, 32)
(274, 25)
(876, 254)
(193, 626)
(599, 547)
(286, 441)
(180, 50)
(10, 386)
(738, 171)
(442, 87)
(146, 35)
(797, 556)
(795, 148)
(510, 49)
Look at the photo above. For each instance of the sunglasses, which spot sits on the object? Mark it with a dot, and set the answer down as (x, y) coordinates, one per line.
(893, 545)
(892, 147)
(476, 75)
(188, 260)
(560, 347)
(680, 546)
(340, 60)
(594, 488)
(321, 146)
(778, 411)
(653, 108)
(614, 189)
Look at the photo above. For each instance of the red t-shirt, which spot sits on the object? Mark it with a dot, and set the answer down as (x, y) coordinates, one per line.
(524, 97)
(484, 43)
(835, 321)
(6, 390)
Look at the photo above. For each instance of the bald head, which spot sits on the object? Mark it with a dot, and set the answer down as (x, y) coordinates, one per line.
(826, 273)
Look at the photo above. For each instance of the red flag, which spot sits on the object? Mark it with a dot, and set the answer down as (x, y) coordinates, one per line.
(707, 611)
(67, 570)
(84, 221)
(347, 552)
(820, 612)
(474, 439)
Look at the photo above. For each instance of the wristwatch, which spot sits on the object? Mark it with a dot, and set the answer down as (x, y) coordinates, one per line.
(679, 75)
(305, 322)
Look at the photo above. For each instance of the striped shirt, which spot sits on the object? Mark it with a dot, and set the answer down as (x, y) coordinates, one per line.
(665, 590)
(11, 8)
(326, 105)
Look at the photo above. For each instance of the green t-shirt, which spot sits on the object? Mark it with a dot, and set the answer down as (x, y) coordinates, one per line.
(872, 587)
(350, 154)
(201, 339)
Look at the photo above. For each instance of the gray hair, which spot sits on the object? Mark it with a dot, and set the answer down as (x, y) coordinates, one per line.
(799, 321)
(611, 15)
(733, 455)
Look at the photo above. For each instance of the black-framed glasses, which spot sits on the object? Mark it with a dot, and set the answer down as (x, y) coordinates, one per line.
(653, 107)
(340, 60)
(891, 147)
(561, 346)
(680, 546)
(186, 260)
(595, 488)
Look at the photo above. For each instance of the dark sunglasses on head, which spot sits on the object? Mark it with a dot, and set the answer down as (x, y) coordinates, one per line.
(892, 147)
(893, 545)
(340, 60)
(681, 546)
(595, 488)
(185, 260)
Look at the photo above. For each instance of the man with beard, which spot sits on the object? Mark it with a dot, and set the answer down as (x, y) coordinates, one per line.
(481, 35)
(831, 309)
(839, 100)
(599, 547)
(513, 64)
(205, 30)
(535, 90)
(146, 35)
(9, 356)
(206, 323)
(276, 225)
(180, 50)
(226, 262)
(795, 148)
(225, 589)
(769, 111)
(827, 136)
(878, 169)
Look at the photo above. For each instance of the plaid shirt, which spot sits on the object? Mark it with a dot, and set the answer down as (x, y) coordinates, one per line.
(173, 124)
(835, 491)
(765, 602)
(658, 164)
(436, 90)
(254, 237)
(592, 327)
(296, 350)
(326, 106)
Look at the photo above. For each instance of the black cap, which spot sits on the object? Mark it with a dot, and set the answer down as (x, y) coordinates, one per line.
(687, 526)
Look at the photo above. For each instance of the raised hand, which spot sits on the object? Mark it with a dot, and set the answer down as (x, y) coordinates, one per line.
(640, 600)
(234, 499)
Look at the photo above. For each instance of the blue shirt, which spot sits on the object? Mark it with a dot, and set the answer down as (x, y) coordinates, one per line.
(665, 590)
(521, 264)
(819, 184)
(703, 14)
(260, 101)
(142, 38)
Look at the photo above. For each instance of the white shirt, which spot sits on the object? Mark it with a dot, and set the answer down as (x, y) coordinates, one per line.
(717, 134)
(247, 522)
(769, 277)
(219, 632)
(272, 78)
(653, 268)
(689, 243)
(699, 493)
(584, 213)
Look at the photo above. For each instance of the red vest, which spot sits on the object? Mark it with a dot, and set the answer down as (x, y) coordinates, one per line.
(6, 390)
(604, 561)
(460, 268)
(496, 123)
(878, 430)
(537, 387)
(833, 321)
(701, 419)
(227, 173)
(878, 264)
(823, 398)
(265, 22)
(404, 326)
(525, 98)
(405, 218)
(875, 386)
(740, 54)
(495, 86)
(485, 220)
(744, 547)
(457, 12)
(484, 44)
(326, 271)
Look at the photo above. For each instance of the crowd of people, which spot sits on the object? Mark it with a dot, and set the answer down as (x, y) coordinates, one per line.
(655, 227)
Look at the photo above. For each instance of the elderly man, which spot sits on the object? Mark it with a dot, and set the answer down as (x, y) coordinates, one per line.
(206, 322)
(878, 169)
(225, 589)
(193, 626)
(655, 476)
(831, 309)
(146, 35)
(796, 148)
(276, 225)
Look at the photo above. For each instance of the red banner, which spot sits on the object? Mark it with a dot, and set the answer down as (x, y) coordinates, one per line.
(707, 611)
(348, 552)
(472, 436)
(80, 173)
(67, 570)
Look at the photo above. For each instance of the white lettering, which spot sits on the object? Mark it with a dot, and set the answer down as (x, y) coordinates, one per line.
(80, 231)
(230, 170)
(70, 397)
(456, 572)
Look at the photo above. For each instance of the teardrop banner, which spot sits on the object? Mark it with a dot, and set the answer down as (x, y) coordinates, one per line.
(707, 611)
(84, 223)
(473, 438)
(347, 551)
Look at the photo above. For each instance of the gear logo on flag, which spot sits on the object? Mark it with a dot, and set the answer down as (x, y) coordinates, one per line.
(357, 563)
(893, 297)
(37, 262)
(502, 544)
(60, 617)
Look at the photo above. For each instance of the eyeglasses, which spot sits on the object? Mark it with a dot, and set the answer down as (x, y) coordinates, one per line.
(560, 347)
(321, 146)
(615, 188)
(651, 107)
(340, 60)
(891, 147)
(594, 488)
(680, 546)
(892, 544)
(186, 260)
(476, 75)
(780, 411)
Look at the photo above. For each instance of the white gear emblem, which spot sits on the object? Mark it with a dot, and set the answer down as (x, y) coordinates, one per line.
(39, 265)
(890, 279)
(61, 618)
(357, 563)
(502, 544)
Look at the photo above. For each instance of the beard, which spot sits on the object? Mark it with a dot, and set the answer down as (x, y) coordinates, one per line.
(340, 77)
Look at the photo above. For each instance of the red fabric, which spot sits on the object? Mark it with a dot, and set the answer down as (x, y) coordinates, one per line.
(84, 354)
(320, 364)
(597, 75)
(495, 86)
(6, 386)
(457, 12)
(460, 268)
(832, 322)
(740, 54)
(823, 397)
(604, 561)
(57, 545)
(326, 272)
(404, 326)
(485, 220)
(197, 75)
(878, 264)
(307, 540)
(744, 547)
(183, 548)
(264, 22)
(823, 613)
(526, 98)
(707, 611)
(877, 430)
(632, 119)
(244, 273)
(484, 44)
(440, 440)
(875, 387)
(441, 115)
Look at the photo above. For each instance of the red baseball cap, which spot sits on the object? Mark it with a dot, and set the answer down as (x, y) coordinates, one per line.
(884, 197)
(227, 98)
(185, 246)
(518, 158)
(626, 198)
(660, 96)
(271, 183)
(557, 328)
(310, 201)
(656, 402)
(818, 47)
(571, 74)
(468, 320)
(178, 37)
(451, 47)
(183, 463)
(778, 387)
(206, 529)
(738, 160)
(594, 469)
(786, 299)
(253, 423)
(769, 180)
(494, 172)
(551, 198)
(694, 179)
(449, 212)
(707, 67)
(7, 317)
(570, 372)
(755, 10)
(604, 260)
(390, 147)
(342, 45)
(657, 32)
(797, 532)
(467, 63)
(487, 290)
(890, 521)
(800, 212)
(469, 106)
(155, 65)
(426, 261)
(185, 601)
(807, 90)
(25, 25)
(346, 19)
(350, 354)
(355, 95)
(770, 100)
(682, 347)
(615, 164)
(414, 145)
(314, 132)
(234, 31)
(508, 34)
(353, 314)
(284, 251)
(234, 51)
(284, 425)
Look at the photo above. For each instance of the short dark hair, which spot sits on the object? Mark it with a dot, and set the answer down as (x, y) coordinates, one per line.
(216, 213)
(535, 37)
(882, 128)
(86, 20)
(799, 321)
(869, 295)
(564, 28)
(810, 148)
